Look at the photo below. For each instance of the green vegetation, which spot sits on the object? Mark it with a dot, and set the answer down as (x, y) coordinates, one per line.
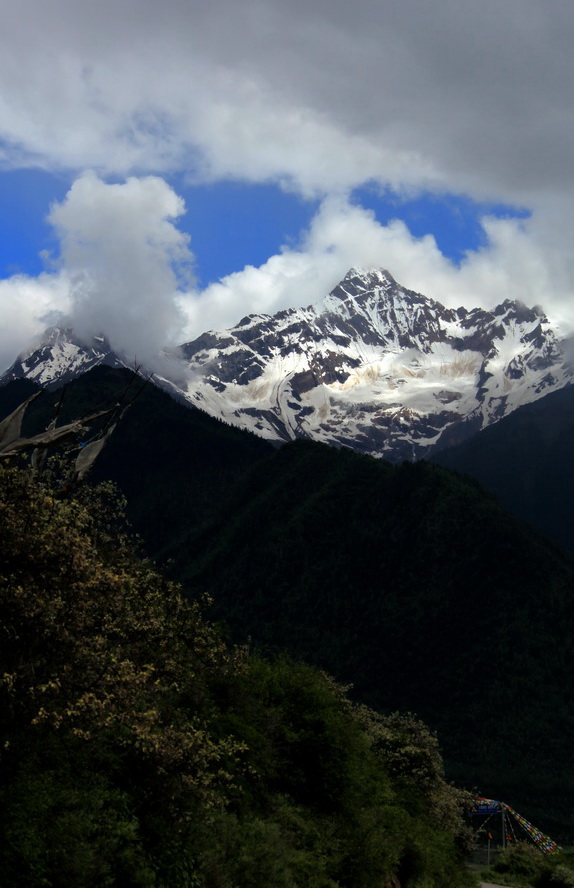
(141, 747)
(172, 463)
(526, 461)
(417, 587)
(138, 749)
(524, 866)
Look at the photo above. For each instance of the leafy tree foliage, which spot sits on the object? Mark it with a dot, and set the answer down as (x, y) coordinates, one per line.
(522, 864)
(321, 786)
(105, 669)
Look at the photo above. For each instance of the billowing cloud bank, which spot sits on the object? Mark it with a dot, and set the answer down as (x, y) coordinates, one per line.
(125, 270)
(122, 260)
(470, 98)
(514, 264)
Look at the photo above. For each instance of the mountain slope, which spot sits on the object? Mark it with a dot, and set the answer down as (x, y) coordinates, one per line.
(407, 581)
(60, 358)
(526, 461)
(419, 589)
(377, 368)
(373, 366)
(172, 462)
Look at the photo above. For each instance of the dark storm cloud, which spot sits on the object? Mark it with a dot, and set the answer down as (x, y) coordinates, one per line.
(472, 95)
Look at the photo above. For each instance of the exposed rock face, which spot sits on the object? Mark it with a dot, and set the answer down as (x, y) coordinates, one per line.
(377, 368)
(374, 367)
(60, 358)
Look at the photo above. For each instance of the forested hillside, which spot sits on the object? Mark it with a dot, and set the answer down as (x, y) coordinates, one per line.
(418, 588)
(138, 749)
(526, 461)
(171, 462)
(408, 582)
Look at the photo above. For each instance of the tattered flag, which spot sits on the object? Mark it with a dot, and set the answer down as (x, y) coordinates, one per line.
(11, 426)
(89, 453)
(50, 437)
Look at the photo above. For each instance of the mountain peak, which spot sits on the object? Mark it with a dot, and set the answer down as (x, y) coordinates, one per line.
(373, 366)
(371, 273)
(61, 356)
(369, 277)
(378, 368)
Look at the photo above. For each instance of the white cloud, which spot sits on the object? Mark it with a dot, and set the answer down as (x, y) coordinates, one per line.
(515, 264)
(471, 96)
(27, 306)
(122, 262)
(121, 252)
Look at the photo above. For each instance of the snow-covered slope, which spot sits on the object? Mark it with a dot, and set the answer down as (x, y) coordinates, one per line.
(377, 368)
(373, 366)
(60, 357)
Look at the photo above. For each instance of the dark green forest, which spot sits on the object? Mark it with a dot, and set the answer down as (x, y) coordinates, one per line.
(526, 461)
(182, 731)
(139, 749)
(422, 591)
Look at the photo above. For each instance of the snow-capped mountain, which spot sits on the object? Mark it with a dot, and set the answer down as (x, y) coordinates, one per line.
(60, 357)
(373, 366)
(377, 368)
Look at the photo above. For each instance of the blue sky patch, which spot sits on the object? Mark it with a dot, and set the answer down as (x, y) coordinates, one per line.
(25, 200)
(453, 219)
(233, 224)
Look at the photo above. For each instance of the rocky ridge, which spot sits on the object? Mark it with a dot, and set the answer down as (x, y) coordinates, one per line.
(373, 366)
(378, 368)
